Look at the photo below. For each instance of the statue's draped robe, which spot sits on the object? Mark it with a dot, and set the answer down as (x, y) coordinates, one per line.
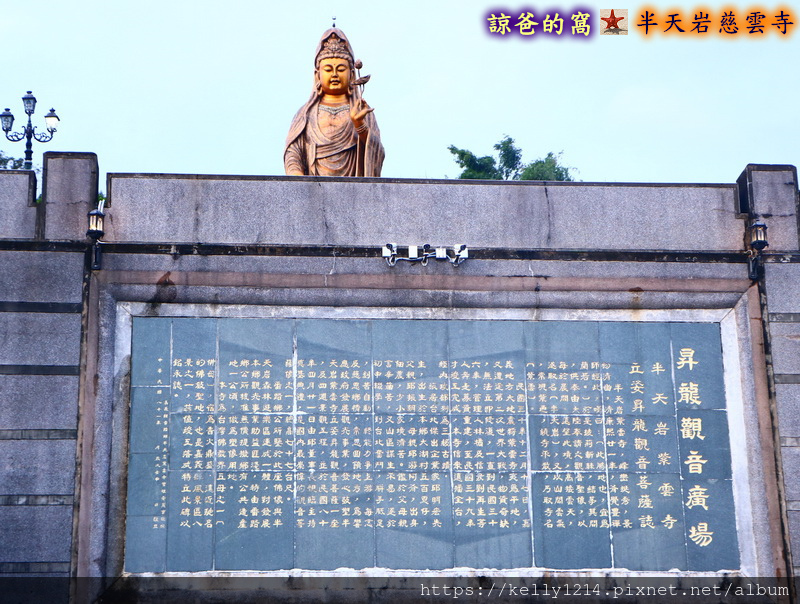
(337, 152)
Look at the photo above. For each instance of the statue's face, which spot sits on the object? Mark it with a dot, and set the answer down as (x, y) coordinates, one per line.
(334, 76)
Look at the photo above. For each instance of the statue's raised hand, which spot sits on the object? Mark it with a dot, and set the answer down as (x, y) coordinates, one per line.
(358, 111)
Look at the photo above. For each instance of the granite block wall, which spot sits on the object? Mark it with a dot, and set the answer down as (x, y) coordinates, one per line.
(306, 241)
(40, 337)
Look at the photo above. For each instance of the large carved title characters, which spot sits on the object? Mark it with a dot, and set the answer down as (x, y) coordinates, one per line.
(266, 444)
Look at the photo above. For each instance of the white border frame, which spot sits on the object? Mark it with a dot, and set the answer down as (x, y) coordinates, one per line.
(737, 391)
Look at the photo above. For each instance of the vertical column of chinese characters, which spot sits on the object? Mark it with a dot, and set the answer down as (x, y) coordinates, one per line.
(489, 443)
(193, 392)
(334, 445)
(702, 428)
(254, 454)
(644, 473)
(254, 421)
(412, 447)
(569, 470)
(162, 457)
(148, 446)
(192, 433)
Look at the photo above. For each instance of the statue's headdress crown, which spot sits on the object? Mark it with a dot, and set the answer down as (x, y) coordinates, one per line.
(334, 47)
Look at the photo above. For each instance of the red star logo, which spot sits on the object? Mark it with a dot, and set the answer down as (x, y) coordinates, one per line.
(612, 20)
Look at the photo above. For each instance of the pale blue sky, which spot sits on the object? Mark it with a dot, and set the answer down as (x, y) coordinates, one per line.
(194, 86)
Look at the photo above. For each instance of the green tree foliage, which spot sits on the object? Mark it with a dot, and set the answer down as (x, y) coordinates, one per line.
(10, 163)
(546, 168)
(481, 168)
(510, 156)
(508, 164)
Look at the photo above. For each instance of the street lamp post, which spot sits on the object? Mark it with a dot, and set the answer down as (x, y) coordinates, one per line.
(29, 133)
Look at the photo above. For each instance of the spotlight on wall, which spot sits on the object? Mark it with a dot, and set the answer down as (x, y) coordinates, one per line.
(95, 232)
(422, 253)
(757, 240)
(461, 253)
(389, 251)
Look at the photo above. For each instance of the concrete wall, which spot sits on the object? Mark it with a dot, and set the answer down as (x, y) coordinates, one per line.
(70, 192)
(776, 200)
(41, 316)
(266, 241)
(770, 193)
(371, 212)
(40, 345)
(17, 204)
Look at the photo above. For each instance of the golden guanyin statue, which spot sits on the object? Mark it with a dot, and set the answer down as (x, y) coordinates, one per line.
(335, 132)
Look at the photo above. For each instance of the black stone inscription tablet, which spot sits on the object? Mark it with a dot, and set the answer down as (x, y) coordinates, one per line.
(268, 444)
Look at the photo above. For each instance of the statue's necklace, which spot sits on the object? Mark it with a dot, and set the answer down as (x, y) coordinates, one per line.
(334, 109)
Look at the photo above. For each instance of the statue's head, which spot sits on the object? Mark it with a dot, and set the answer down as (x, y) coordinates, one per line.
(334, 71)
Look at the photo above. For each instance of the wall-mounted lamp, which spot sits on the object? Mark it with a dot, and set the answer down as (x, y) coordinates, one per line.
(757, 240)
(758, 235)
(95, 232)
(421, 254)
